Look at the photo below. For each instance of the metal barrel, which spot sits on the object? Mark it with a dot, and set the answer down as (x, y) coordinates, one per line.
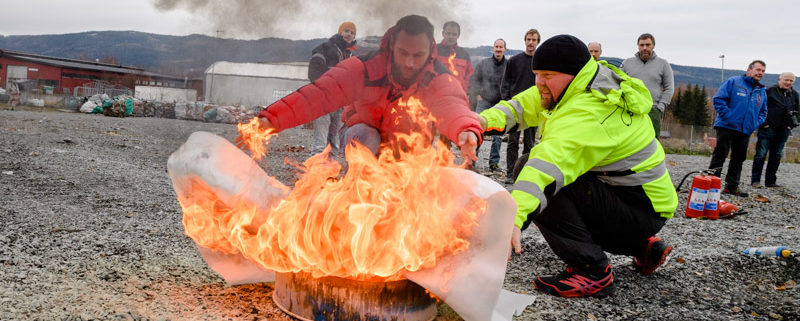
(334, 298)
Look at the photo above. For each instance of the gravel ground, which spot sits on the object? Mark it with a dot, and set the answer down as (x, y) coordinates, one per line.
(90, 229)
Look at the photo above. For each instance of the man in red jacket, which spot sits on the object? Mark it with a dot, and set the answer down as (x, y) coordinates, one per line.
(371, 87)
(461, 64)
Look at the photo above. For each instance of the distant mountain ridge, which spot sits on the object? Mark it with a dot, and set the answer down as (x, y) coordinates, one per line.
(191, 55)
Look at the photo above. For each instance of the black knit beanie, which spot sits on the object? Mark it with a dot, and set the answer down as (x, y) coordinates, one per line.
(562, 53)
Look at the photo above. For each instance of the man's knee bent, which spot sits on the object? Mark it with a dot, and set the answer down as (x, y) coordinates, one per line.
(365, 135)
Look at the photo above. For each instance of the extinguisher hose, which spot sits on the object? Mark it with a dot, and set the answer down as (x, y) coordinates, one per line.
(704, 171)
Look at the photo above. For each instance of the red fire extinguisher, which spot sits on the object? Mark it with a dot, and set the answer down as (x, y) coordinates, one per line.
(698, 194)
(711, 211)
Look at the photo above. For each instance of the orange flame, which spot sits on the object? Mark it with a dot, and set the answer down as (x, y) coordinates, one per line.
(254, 137)
(400, 211)
(452, 65)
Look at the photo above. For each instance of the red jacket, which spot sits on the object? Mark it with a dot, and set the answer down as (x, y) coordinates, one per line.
(461, 63)
(365, 86)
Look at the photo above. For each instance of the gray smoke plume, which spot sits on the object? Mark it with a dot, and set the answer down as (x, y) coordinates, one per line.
(301, 19)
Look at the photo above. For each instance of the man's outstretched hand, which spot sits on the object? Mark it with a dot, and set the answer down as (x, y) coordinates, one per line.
(263, 125)
(483, 121)
(468, 141)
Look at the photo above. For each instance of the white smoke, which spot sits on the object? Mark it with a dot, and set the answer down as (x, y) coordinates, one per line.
(304, 19)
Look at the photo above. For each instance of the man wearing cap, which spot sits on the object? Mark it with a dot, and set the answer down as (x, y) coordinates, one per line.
(597, 180)
(339, 47)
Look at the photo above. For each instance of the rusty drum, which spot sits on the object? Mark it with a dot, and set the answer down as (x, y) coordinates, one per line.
(333, 298)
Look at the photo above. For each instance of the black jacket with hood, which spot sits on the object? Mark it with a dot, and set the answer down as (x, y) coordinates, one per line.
(487, 79)
(327, 55)
(780, 102)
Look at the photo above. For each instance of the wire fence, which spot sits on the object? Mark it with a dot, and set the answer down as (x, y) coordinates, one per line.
(689, 139)
(101, 87)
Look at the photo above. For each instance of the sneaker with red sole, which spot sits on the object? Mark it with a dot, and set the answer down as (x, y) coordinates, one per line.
(655, 256)
(576, 283)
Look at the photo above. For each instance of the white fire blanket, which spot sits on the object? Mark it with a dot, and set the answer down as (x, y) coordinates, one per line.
(474, 288)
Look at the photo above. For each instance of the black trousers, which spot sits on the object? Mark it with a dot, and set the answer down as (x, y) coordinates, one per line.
(589, 217)
(512, 151)
(735, 142)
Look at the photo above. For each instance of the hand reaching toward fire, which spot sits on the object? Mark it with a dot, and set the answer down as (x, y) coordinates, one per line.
(483, 121)
(243, 140)
(468, 141)
(254, 135)
(516, 241)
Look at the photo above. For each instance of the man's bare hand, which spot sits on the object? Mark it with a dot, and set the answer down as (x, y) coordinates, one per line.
(262, 125)
(483, 121)
(516, 241)
(468, 141)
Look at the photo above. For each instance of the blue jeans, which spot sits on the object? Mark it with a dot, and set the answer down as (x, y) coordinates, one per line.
(497, 140)
(326, 131)
(368, 136)
(770, 141)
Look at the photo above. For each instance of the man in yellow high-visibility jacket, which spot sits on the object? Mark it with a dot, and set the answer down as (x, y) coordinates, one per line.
(597, 180)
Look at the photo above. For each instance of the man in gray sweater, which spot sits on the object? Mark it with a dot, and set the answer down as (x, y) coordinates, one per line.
(656, 74)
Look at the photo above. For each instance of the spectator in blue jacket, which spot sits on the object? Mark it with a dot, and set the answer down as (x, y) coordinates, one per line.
(741, 104)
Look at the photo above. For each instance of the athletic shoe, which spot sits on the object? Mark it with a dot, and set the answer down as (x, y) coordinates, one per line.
(576, 283)
(757, 185)
(655, 256)
(773, 185)
(494, 167)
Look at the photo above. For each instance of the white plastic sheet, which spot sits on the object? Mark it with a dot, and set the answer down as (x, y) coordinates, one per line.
(473, 286)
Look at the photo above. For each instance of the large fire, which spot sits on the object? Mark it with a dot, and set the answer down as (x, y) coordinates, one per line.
(400, 211)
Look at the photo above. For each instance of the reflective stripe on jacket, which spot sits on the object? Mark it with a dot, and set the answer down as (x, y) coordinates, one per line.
(600, 125)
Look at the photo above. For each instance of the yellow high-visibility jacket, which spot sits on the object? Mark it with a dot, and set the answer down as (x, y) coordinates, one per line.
(600, 125)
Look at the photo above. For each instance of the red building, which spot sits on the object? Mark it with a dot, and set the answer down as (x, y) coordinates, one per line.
(64, 74)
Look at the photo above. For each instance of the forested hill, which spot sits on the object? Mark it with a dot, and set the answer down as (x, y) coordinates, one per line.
(190, 55)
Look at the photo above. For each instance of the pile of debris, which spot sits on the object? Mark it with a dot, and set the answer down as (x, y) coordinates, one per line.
(124, 105)
(213, 113)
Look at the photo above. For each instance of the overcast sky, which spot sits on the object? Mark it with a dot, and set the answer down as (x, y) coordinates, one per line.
(687, 32)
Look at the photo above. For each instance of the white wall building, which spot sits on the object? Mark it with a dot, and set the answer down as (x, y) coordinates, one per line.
(165, 94)
(252, 84)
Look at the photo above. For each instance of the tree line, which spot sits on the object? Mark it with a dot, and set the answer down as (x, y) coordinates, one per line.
(690, 106)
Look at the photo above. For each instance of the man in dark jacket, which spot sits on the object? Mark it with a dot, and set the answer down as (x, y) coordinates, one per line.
(741, 104)
(485, 86)
(325, 56)
(782, 107)
(518, 78)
